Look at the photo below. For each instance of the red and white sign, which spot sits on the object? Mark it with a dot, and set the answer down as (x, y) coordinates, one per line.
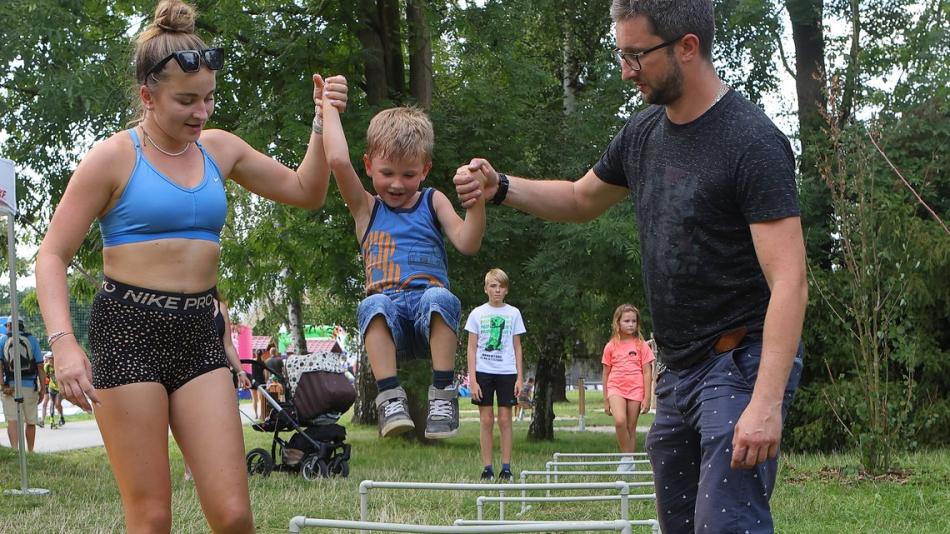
(7, 187)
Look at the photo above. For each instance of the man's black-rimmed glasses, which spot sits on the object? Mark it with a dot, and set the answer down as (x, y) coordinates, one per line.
(632, 59)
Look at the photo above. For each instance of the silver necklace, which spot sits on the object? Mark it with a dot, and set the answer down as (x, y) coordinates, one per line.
(162, 150)
(723, 89)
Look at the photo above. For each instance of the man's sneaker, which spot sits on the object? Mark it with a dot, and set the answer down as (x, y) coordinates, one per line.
(62, 421)
(443, 419)
(488, 474)
(505, 475)
(392, 409)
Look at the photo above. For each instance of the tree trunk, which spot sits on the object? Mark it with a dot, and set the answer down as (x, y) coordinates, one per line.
(559, 381)
(416, 377)
(391, 34)
(364, 411)
(854, 66)
(367, 29)
(569, 70)
(294, 317)
(420, 53)
(542, 424)
(808, 34)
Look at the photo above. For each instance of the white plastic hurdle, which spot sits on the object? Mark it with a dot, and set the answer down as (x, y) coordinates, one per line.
(551, 485)
(624, 527)
(652, 523)
(554, 465)
(559, 455)
(623, 488)
(482, 499)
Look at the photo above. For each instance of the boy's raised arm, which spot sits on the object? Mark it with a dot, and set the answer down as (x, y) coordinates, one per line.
(338, 156)
(466, 234)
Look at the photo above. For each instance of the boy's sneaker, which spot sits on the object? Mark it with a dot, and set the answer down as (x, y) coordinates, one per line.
(505, 475)
(392, 409)
(488, 474)
(443, 419)
(41, 423)
(62, 421)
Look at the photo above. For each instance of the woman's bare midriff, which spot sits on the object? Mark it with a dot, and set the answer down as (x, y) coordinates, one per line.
(173, 265)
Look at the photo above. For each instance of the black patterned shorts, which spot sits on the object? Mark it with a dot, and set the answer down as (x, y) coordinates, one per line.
(143, 335)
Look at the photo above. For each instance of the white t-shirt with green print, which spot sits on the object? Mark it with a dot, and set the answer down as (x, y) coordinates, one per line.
(495, 328)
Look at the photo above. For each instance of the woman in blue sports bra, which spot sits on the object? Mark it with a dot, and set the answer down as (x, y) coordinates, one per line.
(155, 359)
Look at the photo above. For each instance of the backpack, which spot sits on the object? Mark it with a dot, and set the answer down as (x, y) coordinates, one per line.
(24, 357)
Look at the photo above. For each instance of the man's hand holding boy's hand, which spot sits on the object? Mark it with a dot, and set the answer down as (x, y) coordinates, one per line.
(474, 181)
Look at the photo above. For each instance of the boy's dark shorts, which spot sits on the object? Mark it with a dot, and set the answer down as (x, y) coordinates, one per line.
(501, 385)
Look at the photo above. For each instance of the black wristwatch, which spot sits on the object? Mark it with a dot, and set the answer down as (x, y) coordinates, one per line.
(502, 191)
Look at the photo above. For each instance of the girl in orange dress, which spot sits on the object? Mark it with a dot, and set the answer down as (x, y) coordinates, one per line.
(628, 378)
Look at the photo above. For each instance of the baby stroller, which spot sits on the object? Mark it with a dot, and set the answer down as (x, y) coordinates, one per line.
(316, 394)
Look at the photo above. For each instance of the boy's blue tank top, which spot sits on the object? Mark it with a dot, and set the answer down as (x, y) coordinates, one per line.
(153, 206)
(403, 248)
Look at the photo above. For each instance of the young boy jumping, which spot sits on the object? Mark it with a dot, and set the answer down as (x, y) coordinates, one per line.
(408, 308)
(495, 367)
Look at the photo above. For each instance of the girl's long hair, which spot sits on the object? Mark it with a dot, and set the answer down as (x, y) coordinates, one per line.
(615, 324)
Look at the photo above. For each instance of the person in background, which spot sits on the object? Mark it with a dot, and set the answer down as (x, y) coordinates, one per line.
(32, 383)
(258, 377)
(495, 368)
(526, 398)
(41, 422)
(56, 400)
(628, 378)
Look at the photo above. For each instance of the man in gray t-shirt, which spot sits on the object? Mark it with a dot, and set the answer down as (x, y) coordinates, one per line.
(713, 183)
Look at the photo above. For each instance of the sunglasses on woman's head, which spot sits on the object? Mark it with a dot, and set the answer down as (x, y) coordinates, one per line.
(190, 60)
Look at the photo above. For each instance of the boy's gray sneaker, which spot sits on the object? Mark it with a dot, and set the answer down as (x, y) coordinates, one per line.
(392, 410)
(443, 419)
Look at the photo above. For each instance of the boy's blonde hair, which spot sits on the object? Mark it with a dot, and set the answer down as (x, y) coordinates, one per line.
(497, 275)
(400, 133)
(618, 313)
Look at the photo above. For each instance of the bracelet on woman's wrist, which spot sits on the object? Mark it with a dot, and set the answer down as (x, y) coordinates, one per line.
(55, 336)
(317, 125)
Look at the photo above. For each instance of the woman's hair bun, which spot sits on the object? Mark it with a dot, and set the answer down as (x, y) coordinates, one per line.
(175, 16)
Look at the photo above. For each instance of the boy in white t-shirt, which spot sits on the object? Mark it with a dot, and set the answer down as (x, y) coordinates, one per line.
(495, 367)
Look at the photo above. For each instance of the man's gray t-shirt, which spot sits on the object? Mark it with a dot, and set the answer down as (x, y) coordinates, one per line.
(696, 188)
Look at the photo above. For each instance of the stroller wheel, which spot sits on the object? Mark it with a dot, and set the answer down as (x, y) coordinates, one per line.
(338, 466)
(313, 467)
(342, 469)
(259, 461)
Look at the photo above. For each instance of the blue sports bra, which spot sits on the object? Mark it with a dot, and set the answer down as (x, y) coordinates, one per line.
(153, 206)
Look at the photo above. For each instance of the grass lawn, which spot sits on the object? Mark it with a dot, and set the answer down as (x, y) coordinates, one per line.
(816, 493)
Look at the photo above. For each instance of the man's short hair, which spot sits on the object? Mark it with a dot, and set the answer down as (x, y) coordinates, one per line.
(403, 133)
(497, 275)
(672, 19)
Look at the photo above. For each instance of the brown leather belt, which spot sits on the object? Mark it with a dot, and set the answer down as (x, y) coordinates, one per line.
(729, 340)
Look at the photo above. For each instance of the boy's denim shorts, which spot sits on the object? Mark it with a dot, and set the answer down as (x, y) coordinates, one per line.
(408, 315)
